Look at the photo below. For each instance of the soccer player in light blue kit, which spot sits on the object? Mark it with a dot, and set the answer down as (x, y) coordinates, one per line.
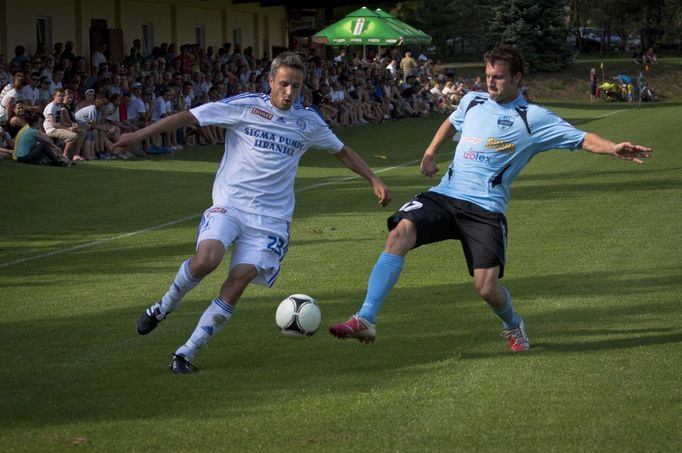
(500, 134)
(253, 195)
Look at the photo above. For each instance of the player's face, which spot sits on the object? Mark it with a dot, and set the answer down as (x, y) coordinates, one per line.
(502, 86)
(286, 86)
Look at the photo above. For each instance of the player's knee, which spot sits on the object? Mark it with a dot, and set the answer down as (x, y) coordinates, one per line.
(241, 275)
(486, 290)
(401, 239)
(202, 265)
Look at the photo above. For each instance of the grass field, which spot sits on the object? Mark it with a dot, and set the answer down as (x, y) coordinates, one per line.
(594, 267)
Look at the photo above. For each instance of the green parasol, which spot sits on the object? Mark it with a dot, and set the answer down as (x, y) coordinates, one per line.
(418, 36)
(367, 28)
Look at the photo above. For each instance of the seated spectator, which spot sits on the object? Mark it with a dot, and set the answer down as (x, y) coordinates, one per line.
(99, 137)
(6, 144)
(10, 95)
(649, 56)
(34, 147)
(162, 108)
(112, 114)
(30, 93)
(5, 76)
(44, 95)
(54, 128)
(88, 99)
(637, 56)
(18, 120)
(57, 81)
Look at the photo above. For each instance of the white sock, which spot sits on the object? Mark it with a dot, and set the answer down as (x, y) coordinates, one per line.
(182, 284)
(211, 322)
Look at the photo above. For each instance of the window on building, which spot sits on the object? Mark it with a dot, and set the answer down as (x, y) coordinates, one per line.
(237, 36)
(147, 38)
(44, 33)
(200, 35)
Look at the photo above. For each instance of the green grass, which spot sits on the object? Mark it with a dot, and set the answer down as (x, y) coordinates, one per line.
(594, 268)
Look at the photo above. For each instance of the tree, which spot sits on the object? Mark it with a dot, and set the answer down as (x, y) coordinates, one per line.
(537, 27)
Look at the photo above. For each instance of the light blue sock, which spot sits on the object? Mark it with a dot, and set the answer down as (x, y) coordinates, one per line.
(384, 276)
(509, 317)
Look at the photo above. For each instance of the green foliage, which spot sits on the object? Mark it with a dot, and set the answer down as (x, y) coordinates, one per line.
(594, 269)
(537, 27)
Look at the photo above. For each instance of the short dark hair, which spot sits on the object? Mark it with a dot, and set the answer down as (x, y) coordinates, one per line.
(508, 54)
(289, 60)
(35, 117)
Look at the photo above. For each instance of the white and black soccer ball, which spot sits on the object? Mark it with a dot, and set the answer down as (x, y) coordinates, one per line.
(298, 316)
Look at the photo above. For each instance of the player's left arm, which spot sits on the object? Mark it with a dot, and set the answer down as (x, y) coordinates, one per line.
(596, 144)
(351, 160)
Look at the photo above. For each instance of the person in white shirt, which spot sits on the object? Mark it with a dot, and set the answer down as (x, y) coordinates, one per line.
(72, 136)
(11, 94)
(393, 69)
(163, 108)
(98, 135)
(137, 108)
(253, 195)
(98, 56)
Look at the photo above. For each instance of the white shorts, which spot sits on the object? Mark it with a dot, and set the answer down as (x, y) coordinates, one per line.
(258, 240)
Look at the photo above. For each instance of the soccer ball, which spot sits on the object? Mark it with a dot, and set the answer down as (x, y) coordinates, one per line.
(298, 316)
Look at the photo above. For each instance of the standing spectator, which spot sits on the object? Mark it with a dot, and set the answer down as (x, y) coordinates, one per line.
(58, 49)
(68, 54)
(98, 56)
(593, 85)
(20, 56)
(408, 65)
(393, 69)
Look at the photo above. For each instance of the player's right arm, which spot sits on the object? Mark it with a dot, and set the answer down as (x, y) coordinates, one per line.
(169, 123)
(444, 133)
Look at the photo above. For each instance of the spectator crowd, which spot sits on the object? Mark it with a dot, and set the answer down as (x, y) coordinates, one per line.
(57, 109)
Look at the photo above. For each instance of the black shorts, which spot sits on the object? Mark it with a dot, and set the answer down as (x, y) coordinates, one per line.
(483, 233)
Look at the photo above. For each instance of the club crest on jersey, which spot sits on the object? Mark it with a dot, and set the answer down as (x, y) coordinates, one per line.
(505, 122)
(262, 113)
(301, 124)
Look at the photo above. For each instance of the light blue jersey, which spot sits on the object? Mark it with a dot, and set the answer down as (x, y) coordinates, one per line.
(497, 141)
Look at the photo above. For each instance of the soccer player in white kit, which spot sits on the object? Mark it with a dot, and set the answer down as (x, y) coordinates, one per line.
(253, 196)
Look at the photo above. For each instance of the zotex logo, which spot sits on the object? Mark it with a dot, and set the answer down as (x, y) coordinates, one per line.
(262, 113)
(477, 157)
(505, 122)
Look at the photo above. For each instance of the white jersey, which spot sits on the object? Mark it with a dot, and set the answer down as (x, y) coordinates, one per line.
(87, 115)
(263, 146)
